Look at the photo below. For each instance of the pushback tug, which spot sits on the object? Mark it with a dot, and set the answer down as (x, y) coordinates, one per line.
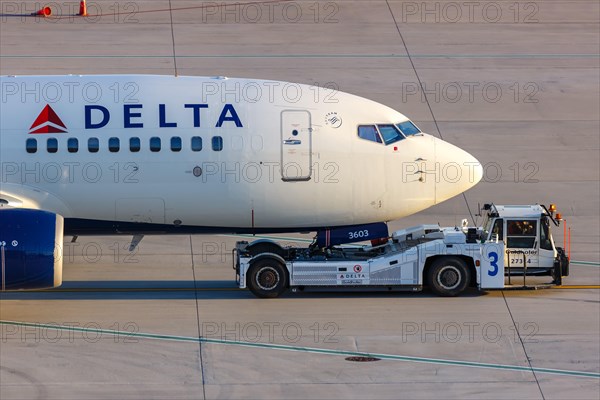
(513, 240)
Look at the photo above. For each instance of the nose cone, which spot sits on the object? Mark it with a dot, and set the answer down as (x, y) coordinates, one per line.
(458, 171)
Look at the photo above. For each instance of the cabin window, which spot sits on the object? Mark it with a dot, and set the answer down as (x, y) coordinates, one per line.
(114, 144)
(31, 146)
(154, 144)
(175, 143)
(73, 145)
(93, 145)
(52, 145)
(408, 128)
(217, 143)
(369, 132)
(521, 233)
(196, 143)
(390, 134)
(134, 144)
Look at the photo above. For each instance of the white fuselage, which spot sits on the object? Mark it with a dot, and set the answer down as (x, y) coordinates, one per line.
(275, 156)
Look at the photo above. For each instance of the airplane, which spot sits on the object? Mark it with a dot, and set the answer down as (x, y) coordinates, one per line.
(143, 154)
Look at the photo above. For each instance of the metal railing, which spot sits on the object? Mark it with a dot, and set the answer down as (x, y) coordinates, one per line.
(508, 253)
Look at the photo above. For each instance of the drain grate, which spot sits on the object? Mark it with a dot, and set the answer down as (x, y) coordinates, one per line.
(362, 359)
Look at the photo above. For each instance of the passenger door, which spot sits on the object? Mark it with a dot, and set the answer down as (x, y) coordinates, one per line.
(296, 145)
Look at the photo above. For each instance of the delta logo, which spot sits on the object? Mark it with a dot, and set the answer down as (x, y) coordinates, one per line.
(47, 122)
(132, 116)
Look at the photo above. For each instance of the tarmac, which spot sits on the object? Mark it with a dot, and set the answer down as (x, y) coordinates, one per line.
(516, 84)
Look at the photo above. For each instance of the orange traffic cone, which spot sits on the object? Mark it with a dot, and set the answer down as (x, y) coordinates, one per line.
(43, 12)
(82, 9)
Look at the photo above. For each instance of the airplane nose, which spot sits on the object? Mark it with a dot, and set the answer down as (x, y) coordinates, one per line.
(458, 171)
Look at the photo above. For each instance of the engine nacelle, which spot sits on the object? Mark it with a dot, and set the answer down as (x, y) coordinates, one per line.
(31, 243)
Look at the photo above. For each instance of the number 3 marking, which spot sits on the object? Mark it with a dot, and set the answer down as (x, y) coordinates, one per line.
(493, 263)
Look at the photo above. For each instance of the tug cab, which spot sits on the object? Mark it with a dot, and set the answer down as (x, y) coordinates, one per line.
(526, 233)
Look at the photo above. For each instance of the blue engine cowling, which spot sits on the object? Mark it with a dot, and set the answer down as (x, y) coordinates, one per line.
(31, 243)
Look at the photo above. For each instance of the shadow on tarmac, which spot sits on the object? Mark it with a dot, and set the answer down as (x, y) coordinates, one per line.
(189, 290)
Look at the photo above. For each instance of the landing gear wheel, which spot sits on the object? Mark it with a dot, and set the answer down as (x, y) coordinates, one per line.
(267, 278)
(448, 276)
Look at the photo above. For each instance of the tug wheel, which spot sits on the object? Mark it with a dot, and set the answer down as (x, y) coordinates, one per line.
(267, 278)
(448, 276)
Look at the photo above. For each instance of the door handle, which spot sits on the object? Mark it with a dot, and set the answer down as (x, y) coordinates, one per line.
(292, 141)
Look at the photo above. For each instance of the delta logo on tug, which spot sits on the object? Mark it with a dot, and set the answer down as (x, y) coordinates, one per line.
(47, 122)
(97, 116)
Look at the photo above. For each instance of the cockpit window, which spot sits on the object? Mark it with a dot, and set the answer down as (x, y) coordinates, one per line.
(369, 132)
(408, 128)
(390, 134)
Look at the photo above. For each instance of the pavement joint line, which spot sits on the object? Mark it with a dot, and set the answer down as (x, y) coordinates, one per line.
(312, 350)
(266, 56)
